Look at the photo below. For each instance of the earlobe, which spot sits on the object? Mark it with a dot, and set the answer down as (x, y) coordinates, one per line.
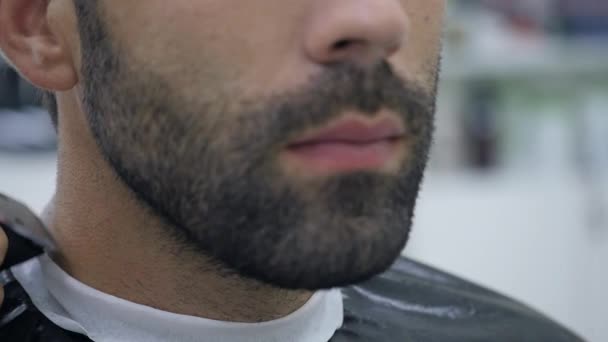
(28, 41)
(47, 64)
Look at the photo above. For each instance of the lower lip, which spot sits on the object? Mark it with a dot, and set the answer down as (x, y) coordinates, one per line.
(331, 157)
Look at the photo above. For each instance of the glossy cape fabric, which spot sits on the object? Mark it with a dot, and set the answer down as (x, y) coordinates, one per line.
(414, 302)
(410, 302)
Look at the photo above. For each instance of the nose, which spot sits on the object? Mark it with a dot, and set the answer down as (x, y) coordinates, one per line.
(364, 32)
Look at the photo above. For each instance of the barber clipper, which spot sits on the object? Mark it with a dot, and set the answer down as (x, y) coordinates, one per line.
(27, 239)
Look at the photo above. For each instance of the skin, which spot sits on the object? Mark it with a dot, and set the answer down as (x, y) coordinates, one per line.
(235, 45)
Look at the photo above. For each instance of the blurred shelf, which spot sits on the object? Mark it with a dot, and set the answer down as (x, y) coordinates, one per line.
(530, 61)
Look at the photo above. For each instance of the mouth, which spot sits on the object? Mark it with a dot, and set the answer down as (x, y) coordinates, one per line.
(351, 144)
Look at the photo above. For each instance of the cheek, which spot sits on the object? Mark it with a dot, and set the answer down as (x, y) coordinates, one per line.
(184, 42)
(240, 43)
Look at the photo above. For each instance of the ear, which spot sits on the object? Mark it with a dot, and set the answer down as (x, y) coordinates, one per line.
(36, 50)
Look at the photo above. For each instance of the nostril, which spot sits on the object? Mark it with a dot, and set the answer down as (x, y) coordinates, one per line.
(343, 44)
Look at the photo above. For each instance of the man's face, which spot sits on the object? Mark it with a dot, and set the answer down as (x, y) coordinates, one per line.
(198, 106)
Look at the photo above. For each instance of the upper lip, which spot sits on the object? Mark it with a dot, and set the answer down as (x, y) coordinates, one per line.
(354, 131)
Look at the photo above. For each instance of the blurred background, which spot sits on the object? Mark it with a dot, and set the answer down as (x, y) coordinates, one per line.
(516, 197)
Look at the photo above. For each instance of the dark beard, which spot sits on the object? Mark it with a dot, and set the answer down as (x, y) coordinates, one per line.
(214, 177)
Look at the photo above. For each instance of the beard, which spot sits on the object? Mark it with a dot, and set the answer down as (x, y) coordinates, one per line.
(208, 166)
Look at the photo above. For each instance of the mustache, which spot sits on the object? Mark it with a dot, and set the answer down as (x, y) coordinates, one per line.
(329, 95)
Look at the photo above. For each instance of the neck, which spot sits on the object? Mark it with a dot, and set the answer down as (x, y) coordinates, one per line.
(110, 241)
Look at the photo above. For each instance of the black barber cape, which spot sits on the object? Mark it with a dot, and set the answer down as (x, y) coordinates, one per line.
(410, 302)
